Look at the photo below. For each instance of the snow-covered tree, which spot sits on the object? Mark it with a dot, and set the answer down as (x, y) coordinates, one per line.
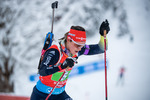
(8, 61)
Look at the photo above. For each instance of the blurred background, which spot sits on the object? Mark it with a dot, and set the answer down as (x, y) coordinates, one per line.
(23, 27)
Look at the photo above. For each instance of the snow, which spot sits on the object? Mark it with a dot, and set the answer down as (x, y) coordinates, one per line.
(134, 55)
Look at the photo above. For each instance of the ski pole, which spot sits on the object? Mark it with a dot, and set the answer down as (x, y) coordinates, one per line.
(56, 84)
(105, 64)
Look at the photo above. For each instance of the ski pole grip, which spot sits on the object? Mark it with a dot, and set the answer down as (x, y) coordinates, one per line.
(55, 4)
(74, 59)
(67, 68)
(104, 33)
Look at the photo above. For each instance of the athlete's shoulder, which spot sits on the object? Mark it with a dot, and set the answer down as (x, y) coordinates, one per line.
(55, 45)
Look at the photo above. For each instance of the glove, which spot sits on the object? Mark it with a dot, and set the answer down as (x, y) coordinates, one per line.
(104, 26)
(68, 62)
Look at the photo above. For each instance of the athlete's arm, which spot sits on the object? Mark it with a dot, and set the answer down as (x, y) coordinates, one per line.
(94, 49)
(48, 66)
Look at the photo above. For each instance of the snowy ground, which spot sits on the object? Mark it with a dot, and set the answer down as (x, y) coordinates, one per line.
(133, 55)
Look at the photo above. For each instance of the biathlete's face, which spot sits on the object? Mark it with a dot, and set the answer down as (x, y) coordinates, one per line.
(73, 46)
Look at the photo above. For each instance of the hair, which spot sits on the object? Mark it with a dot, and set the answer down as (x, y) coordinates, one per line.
(79, 28)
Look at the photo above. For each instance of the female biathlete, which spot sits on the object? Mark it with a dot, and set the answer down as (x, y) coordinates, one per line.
(61, 57)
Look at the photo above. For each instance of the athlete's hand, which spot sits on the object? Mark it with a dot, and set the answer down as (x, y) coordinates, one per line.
(68, 62)
(104, 26)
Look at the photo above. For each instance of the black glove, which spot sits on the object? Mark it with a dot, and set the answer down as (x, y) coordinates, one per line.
(68, 62)
(104, 26)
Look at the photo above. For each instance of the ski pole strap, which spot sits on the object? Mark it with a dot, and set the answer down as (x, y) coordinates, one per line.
(87, 48)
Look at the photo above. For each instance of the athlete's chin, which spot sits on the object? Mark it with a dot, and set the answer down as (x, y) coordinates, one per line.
(75, 52)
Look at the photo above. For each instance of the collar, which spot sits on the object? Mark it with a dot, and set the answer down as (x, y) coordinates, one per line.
(64, 49)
